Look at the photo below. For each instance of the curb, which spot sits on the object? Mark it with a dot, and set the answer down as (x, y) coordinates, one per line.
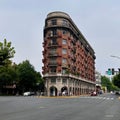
(60, 96)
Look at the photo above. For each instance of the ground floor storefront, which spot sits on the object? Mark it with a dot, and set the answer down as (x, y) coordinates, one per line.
(62, 85)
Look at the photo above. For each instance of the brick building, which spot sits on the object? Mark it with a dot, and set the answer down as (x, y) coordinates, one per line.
(68, 58)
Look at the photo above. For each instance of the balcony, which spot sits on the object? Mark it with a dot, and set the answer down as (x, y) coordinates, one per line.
(52, 36)
(60, 23)
(64, 65)
(53, 55)
(53, 44)
(52, 63)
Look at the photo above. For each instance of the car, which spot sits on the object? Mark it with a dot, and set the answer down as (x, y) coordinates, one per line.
(28, 93)
(94, 93)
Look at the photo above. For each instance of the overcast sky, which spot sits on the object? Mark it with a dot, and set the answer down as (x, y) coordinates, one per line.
(22, 22)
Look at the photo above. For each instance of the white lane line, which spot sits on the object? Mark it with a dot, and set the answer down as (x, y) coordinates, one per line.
(109, 116)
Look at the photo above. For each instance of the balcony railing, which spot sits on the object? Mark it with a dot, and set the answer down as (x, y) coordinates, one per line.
(52, 63)
(54, 45)
(54, 54)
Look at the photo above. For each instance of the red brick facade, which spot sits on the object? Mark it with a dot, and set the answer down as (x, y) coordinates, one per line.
(66, 52)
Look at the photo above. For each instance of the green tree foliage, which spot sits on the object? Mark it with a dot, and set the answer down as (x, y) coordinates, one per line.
(40, 83)
(23, 75)
(7, 71)
(105, 81)
(116, 80)
(8, 77)
(29, 79)
(26, 74)
(6, 52)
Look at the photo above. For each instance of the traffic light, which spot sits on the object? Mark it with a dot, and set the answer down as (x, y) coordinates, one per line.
(113, 71)
(109, 72)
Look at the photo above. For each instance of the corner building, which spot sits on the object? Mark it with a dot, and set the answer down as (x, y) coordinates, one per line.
(68, 58)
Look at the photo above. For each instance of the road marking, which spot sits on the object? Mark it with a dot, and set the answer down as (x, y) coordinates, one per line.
(42, 107)
(112, 98)
(109, 116)
(104, 98)
(93, 97)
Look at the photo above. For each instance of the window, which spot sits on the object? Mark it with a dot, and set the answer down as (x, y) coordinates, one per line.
(64, 22)
(54, 31)
(63, 70)
(64, 51)
(53, 61)
(64, 81)
(64, 31)
(53, 41)
(52, 51)
(51, 33)
(64, 42)
(64, 60)
(54, 22)
(53, 69)
(53, 80)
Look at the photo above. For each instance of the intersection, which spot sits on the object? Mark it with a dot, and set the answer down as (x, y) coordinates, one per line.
(103, 107)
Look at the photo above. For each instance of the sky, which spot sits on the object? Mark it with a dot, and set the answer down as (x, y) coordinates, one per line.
(22, 23)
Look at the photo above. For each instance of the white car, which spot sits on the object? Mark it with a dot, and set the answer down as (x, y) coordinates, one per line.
(26, 94)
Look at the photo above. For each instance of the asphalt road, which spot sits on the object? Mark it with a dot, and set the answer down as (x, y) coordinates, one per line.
(104, 107)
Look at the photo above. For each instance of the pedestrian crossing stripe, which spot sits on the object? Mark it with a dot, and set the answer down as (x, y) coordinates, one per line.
(105, 98)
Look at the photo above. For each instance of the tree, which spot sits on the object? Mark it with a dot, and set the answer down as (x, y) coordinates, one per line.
(40, 83)
(6, 52)
(116, 80)
(105, 81)
(27, 78)
(8, 77)
(7, 72)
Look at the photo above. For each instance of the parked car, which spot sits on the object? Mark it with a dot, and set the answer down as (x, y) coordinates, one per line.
(28, 93)
(94, 93)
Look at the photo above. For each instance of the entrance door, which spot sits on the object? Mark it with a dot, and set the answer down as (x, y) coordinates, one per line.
(53, 91)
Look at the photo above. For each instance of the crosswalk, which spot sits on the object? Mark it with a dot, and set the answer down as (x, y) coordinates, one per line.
(97, 97)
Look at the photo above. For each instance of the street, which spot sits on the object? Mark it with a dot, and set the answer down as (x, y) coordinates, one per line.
(103, 107)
